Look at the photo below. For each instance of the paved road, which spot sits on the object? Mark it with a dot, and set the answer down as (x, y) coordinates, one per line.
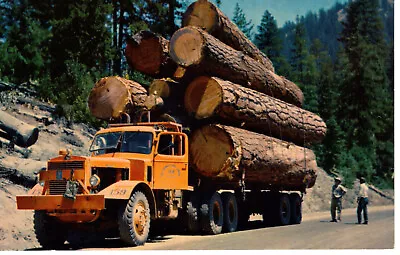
(315, 232)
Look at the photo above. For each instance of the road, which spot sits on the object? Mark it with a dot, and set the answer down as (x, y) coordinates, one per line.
(315, 232)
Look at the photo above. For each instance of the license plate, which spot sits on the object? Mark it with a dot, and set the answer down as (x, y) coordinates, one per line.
(59, 175)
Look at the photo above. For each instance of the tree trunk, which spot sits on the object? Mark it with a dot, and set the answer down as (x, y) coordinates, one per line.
(208, 97)
(147, 52)
(207, 16)
(113, 96)
(204, 54)
(229, 154)
(17, 131)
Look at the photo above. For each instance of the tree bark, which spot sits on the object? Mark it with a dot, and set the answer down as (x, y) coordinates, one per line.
(231, 154)
(207, 16)
(113, 96)
(147, 52)
(17, 131)
(208, 97)
(192, 47)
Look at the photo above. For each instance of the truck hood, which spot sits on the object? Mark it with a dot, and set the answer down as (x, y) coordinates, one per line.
(104, 161)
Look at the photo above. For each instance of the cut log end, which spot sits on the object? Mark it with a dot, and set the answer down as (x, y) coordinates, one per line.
(187, 46)
(146, 56)
(159, 87)
(202, 97)
(108, 98)
(210, 149)
(201, 14)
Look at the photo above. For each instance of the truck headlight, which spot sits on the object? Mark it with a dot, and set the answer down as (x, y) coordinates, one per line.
(94, 181)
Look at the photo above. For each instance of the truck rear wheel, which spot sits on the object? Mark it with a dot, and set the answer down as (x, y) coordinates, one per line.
(295, 208)
(191, 218)
(284, 212)
(212, 216)
(50, 233)
(134, 220)
(230, 212)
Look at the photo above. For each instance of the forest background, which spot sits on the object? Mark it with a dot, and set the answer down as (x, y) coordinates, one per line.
(342, 58)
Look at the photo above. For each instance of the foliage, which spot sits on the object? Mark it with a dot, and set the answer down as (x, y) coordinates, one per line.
(239, 18)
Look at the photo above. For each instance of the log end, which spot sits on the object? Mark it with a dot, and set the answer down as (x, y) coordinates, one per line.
(160, 87)
(144, 53)
(108, 98)
(210, 148)
(186, 47)
(201, 14)
(202, 97)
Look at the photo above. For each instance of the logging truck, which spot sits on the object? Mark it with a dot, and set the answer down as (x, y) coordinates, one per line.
(139, 175)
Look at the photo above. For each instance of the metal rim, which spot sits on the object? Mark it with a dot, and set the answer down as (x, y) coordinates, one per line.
(140, 217)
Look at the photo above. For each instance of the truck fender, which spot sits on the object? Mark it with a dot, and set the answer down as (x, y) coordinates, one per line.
(123, 190)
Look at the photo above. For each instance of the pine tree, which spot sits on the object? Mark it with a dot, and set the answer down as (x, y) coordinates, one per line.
(268, 40)
(239, 18)
(366, 108)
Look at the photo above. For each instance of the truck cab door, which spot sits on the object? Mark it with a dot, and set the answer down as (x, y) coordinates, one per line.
(171, 161)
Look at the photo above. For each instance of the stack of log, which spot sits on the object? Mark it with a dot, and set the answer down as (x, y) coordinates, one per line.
(247, 122)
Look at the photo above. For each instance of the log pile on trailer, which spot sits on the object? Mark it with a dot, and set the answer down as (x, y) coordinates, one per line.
(246, 121)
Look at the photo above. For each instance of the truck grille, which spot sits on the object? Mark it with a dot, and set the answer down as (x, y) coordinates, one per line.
(58, 187)
(65, 165)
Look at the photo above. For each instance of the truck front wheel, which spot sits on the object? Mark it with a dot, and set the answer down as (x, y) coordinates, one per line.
(230, 212)
(134, 220)
(50, 233)
(212, 216)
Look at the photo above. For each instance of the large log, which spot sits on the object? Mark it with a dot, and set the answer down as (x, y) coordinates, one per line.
(207, 16)
(208, 97)
(17, 131)
(206, 55)
(147, 52)
(231, 155)
(113, 96)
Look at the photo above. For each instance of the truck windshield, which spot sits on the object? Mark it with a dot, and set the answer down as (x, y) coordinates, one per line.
(133, 142)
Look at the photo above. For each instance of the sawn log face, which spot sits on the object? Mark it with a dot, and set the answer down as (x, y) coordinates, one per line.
(228, 153)
(195, 48)
(113, 96)
(210, 96)
(147, 52)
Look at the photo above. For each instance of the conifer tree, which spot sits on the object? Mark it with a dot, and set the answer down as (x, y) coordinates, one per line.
(268, 40)
(239, 18)
(366, 108)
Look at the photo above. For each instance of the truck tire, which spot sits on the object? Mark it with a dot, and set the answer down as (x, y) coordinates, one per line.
(212, 216)
(191, 217)
(284, 211)
(295, 208)
(50, 233)
(134, 220)
(230, 212)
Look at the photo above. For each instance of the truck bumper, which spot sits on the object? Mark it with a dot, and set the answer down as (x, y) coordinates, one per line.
(58, 202)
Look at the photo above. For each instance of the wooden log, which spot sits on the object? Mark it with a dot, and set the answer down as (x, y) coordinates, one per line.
(230, 154)
(201, 52)
(17, 131)
(208, 97)
(113, 96)
(147, 52)
(207, 16)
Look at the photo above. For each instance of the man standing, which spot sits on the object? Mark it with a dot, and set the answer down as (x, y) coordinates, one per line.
(338, 192)
(362, 200)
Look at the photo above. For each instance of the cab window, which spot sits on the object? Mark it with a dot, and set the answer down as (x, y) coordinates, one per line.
(137, 142)
(171, 145)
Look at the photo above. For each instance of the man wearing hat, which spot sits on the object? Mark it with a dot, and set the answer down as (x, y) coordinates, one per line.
(338, 192)
(362, 200)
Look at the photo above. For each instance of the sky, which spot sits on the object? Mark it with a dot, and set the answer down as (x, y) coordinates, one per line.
(282, 10)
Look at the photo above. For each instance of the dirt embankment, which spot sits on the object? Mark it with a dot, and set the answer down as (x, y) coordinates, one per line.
(17, 169)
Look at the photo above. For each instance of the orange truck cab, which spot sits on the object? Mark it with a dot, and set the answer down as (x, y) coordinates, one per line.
(135, 173)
